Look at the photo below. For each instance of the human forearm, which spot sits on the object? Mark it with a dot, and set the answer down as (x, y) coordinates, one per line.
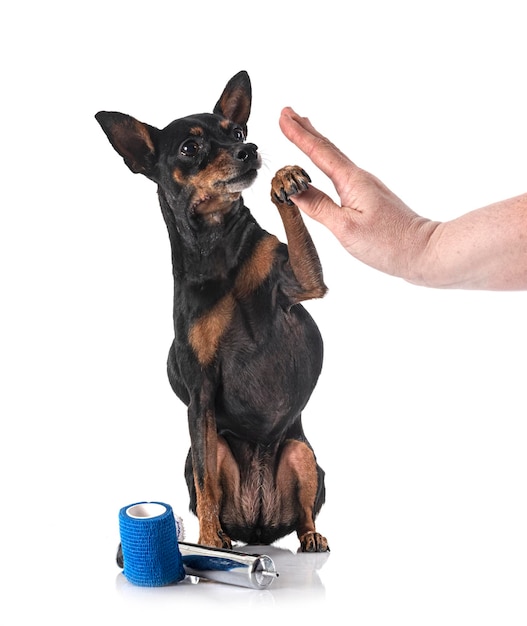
(483, 249)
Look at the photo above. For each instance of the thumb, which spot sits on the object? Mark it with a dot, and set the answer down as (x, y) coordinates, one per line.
(319, 206)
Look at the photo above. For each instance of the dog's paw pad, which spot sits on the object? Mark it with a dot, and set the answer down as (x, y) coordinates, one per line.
(287, 182)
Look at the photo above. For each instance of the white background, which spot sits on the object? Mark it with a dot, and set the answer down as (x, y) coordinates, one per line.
(419, 418)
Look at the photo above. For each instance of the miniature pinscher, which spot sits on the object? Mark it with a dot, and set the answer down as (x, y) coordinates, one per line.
(246, 354)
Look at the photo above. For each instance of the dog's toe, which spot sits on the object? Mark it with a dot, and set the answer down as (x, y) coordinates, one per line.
(226, 542)
(216, 540)
(313, 542)
(289, 181)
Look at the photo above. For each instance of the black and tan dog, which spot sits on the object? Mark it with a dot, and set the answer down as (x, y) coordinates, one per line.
(246, 355)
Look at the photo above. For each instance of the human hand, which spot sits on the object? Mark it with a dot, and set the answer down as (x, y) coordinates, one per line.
(372, 223)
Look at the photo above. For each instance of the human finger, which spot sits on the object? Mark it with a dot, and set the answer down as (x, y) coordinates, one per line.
(320, 207)
(318, 148)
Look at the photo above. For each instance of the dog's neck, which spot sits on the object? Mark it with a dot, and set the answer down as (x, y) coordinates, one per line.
(204, 251)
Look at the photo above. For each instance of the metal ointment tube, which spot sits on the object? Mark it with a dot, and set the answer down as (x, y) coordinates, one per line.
(256, 571)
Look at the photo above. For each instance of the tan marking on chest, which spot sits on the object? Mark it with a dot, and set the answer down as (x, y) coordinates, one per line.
(257, 268)
(207, 331)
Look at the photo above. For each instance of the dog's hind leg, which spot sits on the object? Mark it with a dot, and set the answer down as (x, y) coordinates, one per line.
(300, 481)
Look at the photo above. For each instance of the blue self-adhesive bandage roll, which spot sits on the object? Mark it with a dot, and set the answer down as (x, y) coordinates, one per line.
(149, 542)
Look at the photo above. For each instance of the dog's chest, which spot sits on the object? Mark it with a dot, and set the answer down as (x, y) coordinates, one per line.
(242, 305)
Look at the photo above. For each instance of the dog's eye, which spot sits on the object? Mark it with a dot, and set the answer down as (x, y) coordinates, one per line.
(238, 134)
(189, 148)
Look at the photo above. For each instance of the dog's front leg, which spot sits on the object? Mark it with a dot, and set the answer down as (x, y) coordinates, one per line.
(303, 256)
(204, 450)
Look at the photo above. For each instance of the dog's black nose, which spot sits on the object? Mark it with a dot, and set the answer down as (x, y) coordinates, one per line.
(247, 151)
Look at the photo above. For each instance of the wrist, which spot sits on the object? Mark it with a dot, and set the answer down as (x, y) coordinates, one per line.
(423, 266)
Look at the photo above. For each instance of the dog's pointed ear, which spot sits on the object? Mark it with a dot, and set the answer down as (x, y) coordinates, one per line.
(133, 140)
(235, 101)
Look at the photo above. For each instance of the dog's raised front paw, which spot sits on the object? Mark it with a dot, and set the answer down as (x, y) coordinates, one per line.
(313, 542)
(287, 182)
